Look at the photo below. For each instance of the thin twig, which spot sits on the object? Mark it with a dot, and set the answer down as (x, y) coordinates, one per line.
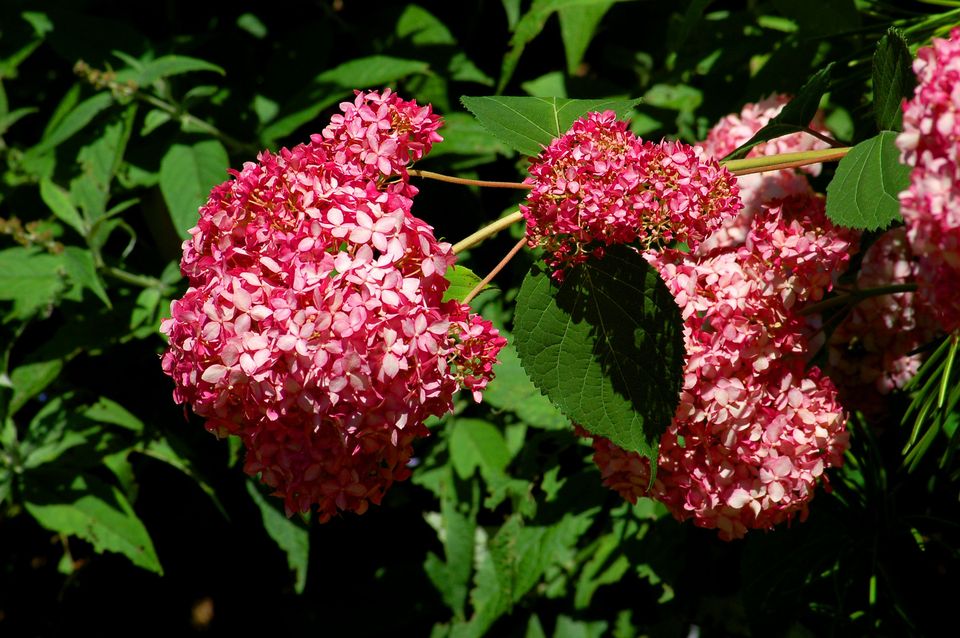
(487, 231)
(493, 273)
(440, 177)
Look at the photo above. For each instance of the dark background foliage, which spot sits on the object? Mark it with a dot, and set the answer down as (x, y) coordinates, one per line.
(505, 528)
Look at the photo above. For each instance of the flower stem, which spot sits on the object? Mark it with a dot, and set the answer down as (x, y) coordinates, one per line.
(784, 160)
(856, 296)
(468, 182)
(141, 281)
(487, 231)
(493, 273)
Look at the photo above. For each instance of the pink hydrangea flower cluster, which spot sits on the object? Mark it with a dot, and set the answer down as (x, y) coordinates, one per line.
(760, 188)
(754, 430)
(314, 326)
(930, 142)
(872, 350)
(599, 185)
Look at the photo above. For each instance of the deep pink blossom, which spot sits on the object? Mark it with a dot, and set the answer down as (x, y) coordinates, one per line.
(930, 142)
(314, 326)
(754, 431)
(598, 185)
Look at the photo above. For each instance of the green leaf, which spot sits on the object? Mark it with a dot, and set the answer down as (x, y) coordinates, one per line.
(529, 123)
(58, 200)
(50, 434)
(462, 281)
(84, 506)
(108, 411)
(606, 347)
(290, 535)
(569, 628)
(863, 192)
(31, 279)
(511, 389)
(30, 379)
(457, 531)
(893, 79)
(422, 28)
(80, 267)
(477, 444)
(99, 162)
(187, 173)
(578, 23)
(464, 135)
(73, 122)
(168, 65)
(333, 85)
(795, 116)
(153, 120)
(9, 119)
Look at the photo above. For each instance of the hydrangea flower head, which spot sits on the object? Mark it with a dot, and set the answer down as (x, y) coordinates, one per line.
(930, 142)
(314, 327)
(757, 189)
(598, 185)
(754, 430)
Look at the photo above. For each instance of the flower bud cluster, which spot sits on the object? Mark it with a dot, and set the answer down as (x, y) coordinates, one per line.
(599, 185)
(314, 327)
(930, 142)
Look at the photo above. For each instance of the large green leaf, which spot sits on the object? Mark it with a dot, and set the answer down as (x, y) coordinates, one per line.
(863, 193)
(187, 173)
(30, 379)
(606, 347)
(289, 534)
(795, 116)
(84, 506)
(527, 124)
(333, 85)
(31, 279)
(893, 79)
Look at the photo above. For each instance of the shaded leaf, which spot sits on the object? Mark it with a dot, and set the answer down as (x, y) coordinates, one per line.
(457, 532)
(578, 23)
(187, 173)
(796, 114)
(863, 192)
(289, 534)
(30, 379)
(86, 507)
(606, 347)
(108, 411)
(893, 79)
(529, 123)
(168, 65)
(73, 122)
(333, 85)
(511, 389)
(477, 444)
